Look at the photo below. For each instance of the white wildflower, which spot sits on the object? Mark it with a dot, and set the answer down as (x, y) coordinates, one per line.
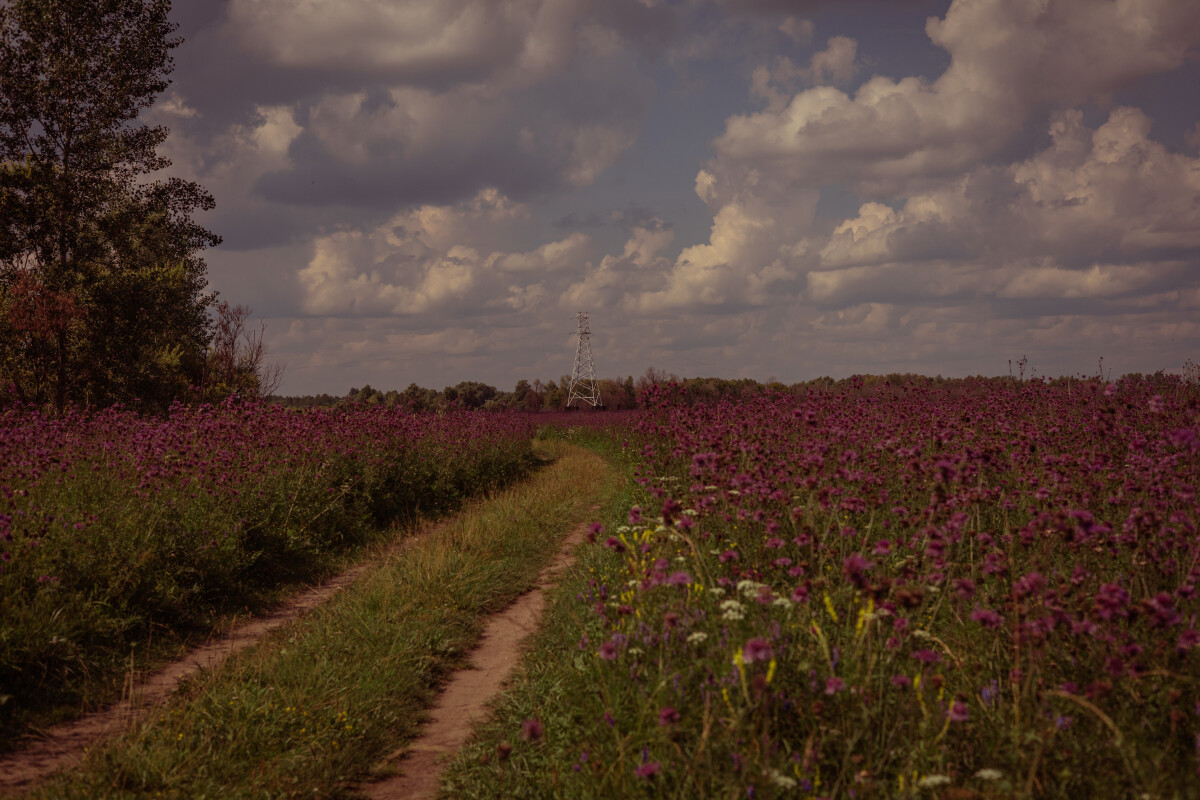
(717, 591)
(989, 774)
(733, 614)
(782, 602)
(781, 780)
(933, 781)
(750, 588)
(635, 651)
(697, 637)
(733, 605)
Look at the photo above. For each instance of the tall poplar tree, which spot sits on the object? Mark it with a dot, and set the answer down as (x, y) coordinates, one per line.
(102, 289)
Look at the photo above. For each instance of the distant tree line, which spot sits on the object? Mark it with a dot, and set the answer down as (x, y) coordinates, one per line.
(615, 393)
(627, 393)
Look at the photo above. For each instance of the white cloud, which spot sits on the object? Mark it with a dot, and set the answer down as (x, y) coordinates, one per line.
(797, 29)
(835, 64)
(550, 257)
(414, 124)
(608, 284)
(583, 151)
(1096, 214)
(424, 260)
(1099, 280)
(237, 155)
(408, 39)
(743, 263)
(1112, 187)
(1007, 57)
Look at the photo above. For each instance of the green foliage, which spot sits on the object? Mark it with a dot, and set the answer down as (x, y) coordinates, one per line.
(322, 701)
(104, 553)
(102, 295)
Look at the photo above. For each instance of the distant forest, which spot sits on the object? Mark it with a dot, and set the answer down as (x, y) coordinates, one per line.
(628, 392)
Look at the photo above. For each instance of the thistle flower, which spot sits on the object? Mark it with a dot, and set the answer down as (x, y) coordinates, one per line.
(756, 650)
(531, 730)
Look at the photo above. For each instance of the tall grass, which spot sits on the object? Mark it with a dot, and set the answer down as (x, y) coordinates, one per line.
(119, 530)
(319, 704)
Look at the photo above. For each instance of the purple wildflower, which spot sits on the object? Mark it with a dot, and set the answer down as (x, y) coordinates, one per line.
(531, 730)
(679, 579)
(757, 650)
(987, 618)
(926, 656)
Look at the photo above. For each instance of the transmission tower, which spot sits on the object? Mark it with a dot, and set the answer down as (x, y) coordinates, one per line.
(583, 376)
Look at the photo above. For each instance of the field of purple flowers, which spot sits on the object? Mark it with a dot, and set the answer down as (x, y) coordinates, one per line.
(117, 528)
(981, 589)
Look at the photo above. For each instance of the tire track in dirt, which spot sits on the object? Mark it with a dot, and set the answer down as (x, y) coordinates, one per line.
(65, 745)
(463, 701)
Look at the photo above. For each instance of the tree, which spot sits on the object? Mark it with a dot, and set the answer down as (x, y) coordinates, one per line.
(236, 360)
(470, 394)
(109, 259)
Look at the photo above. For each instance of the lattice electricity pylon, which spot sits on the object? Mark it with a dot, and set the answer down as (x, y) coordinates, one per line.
(583, 376)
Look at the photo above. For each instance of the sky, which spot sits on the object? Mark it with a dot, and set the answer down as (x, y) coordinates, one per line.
(428, 190)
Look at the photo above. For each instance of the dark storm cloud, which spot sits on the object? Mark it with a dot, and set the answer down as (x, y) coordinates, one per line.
(320, 179)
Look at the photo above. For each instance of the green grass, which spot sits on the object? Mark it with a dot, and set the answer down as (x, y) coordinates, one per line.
(557, 683)
(319, 703)
(130, 536)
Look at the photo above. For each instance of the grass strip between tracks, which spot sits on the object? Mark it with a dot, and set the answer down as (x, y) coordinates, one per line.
(319, 702)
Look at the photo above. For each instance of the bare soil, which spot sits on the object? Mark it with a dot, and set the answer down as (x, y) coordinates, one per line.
(65, 745)
(462, 703)
(464, 700)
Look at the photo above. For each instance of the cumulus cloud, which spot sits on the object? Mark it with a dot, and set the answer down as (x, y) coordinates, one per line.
(550, 257)
(437, 259)
(407, 180)
(413, 41)
(1008, 57)
(837, 63)
(608, 284)
(1099, 213)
